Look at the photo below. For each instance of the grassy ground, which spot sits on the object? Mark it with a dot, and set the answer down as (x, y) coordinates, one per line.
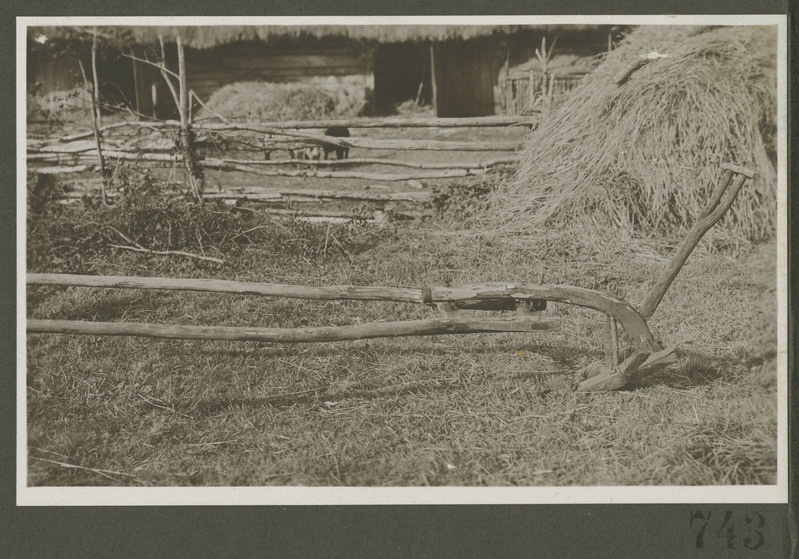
(445, 410)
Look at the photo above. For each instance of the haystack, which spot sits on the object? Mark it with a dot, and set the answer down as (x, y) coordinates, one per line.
(641, 152)
(260, 101)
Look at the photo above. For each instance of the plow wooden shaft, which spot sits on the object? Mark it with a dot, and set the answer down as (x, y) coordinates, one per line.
(478, 296)
(299, 335)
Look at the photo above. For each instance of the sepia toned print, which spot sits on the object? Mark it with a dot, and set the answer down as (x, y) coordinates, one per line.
(353, 257)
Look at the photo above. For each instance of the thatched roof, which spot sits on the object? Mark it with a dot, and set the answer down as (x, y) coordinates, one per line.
(642, 154)
(209, 36)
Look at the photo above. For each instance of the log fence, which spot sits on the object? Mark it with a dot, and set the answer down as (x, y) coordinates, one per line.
(119, 145)
(245, 148)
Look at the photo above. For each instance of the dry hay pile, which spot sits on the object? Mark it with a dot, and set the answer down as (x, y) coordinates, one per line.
(314, 99)
(642, 156)
(263, 101)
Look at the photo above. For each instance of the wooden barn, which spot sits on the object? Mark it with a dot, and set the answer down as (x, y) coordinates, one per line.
(453, 68)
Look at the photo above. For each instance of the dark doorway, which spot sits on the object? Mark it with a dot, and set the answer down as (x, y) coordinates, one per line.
(400, 69)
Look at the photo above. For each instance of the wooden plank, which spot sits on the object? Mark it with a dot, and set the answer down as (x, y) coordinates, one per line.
(429, 327)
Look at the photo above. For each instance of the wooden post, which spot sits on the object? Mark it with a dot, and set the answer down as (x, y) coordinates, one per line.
(95, 78)
(95, 106)
(433, 85)
(193, 169)
(95, 128)
(531, 87)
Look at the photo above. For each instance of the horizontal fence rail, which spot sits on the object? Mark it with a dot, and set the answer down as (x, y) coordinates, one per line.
(296, 141)
(285, 150)
(477, 122)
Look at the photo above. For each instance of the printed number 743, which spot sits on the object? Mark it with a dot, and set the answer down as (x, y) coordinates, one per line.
(753, 538)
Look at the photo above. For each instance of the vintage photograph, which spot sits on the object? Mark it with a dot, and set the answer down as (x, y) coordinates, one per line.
(508, 255)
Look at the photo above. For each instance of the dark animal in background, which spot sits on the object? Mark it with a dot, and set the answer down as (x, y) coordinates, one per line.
(337, 132)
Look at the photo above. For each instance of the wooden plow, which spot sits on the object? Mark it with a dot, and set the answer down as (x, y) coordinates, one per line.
(630, 354)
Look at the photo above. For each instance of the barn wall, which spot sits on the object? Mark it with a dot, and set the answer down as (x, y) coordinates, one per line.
(208, 70)
(53, 72)
(58, 69)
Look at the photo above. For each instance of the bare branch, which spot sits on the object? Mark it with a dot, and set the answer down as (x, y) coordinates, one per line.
(158, 65)
(169, 253)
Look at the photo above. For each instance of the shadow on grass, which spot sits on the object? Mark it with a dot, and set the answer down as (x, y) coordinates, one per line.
(696, 369)
(563, 361)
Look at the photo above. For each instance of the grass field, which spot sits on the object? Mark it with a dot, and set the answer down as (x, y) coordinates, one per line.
(442, 410)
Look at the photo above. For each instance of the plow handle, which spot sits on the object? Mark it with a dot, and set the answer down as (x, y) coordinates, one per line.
(720, 201)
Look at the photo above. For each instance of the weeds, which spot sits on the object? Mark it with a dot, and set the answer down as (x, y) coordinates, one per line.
(85, 237)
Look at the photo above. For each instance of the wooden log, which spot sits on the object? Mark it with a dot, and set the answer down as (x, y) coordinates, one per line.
(374, 161)
(631, 321)
(256, 194)
(73, 152)
(298, 194)
(328, 292)
(338, 220)
(62, 170)
(441, 171)
(428, 327)
(308, 140)
(390, 122)
(347, 213)
(80, 135)
(322, 174)
(405, 145)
